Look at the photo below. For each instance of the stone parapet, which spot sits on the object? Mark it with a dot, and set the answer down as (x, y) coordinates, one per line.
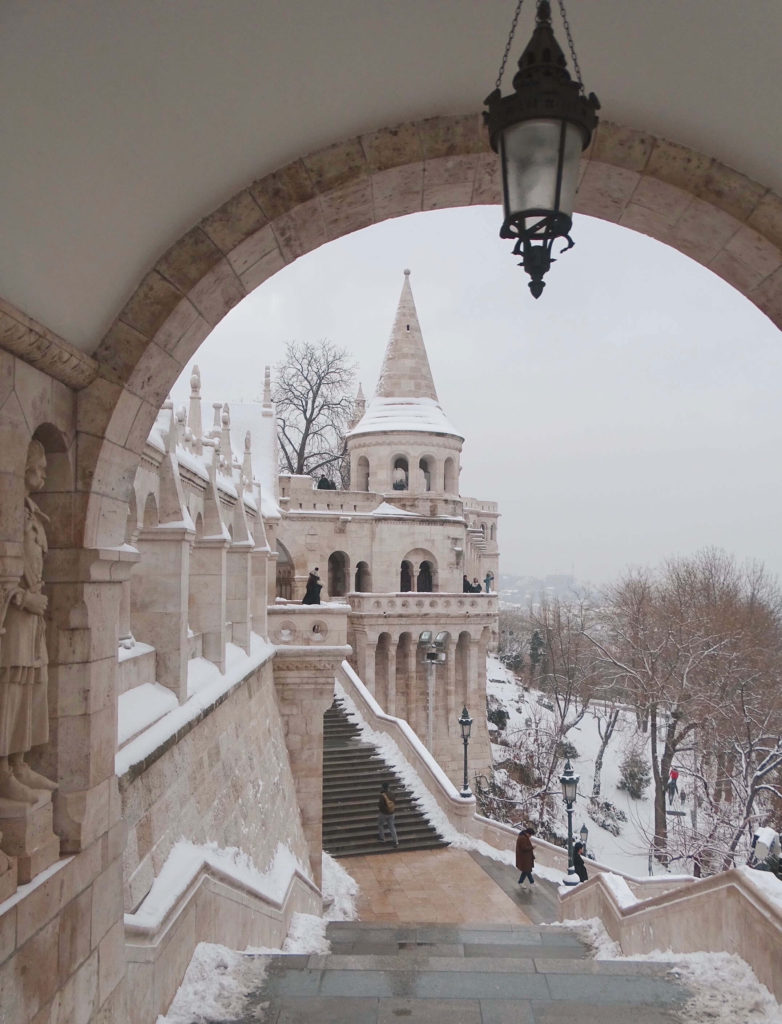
(318, 626)
(723, 913)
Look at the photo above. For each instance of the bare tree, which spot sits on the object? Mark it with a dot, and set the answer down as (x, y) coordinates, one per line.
(313, 396)
(689, 645)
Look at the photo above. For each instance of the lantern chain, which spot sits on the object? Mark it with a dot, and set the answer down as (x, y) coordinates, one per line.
(511, 34)
(566, 23)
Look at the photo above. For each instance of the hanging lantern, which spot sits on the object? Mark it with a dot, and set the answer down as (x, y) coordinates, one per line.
(540, 131)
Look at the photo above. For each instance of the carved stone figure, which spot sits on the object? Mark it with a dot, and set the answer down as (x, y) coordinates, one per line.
(24, 716)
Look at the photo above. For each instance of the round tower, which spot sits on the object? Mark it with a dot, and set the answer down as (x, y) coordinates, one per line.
(404, 446)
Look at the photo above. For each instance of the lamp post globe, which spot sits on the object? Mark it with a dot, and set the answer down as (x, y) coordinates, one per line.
(569, 782)
(540, 131)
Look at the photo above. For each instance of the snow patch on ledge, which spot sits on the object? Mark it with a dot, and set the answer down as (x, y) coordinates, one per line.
(205, 685)
(186, 861)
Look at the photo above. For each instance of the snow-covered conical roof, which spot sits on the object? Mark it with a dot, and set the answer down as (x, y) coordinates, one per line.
(405, 398)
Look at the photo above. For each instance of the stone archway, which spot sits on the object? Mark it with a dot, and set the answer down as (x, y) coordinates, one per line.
(729, 223)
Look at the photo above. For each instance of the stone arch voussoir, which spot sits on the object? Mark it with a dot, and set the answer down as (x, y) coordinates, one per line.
(716, 215)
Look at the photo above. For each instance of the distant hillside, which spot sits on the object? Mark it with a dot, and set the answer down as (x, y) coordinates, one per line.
(520, 590)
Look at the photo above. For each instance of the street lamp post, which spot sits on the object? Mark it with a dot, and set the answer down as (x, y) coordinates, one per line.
(569, 782)
(465, 722)
(583, 835)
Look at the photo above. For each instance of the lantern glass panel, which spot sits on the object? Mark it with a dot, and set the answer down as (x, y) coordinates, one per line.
(530, 153)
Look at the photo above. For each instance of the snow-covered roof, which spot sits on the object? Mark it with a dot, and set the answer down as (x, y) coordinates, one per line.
(385, 415)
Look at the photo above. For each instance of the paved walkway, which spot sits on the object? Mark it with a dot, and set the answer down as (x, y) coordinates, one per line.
(448, 937)
(446, 886)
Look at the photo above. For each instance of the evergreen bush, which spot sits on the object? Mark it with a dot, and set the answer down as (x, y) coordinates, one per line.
(634, 775)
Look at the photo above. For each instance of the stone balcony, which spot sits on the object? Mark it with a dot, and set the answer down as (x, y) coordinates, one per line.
(441, 605)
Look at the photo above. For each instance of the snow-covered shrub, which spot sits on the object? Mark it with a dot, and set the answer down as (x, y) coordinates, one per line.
(606, 815)
(634, 774)
(496, 714)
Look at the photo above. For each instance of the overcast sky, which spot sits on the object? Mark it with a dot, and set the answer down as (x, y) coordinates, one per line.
(629, 414)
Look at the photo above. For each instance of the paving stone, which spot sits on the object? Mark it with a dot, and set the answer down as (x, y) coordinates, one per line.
(604, 990)
(446, 1011)
(323, 1011)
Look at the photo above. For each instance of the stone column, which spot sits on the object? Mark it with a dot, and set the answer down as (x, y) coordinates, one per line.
(262, 569)
(304, 681)
(159, 601)
(207, 596)
(238, 591)
(361, 643)
(85, 588)
(391, 709)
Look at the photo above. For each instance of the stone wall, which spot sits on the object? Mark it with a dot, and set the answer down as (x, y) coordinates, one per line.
(227, 780)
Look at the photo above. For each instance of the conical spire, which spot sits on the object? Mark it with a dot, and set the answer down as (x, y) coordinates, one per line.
(405, 372)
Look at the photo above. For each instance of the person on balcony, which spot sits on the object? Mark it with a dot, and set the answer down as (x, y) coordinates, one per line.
(313, 589)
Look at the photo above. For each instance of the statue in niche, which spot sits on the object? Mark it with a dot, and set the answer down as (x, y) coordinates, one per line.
(24, 715)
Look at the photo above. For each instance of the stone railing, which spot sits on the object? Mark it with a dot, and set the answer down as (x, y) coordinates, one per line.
(724, 913)
(308, 625)
(441, 603)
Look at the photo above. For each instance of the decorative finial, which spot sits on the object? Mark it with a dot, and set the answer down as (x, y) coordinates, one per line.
(247, 441)
(195, 380)
(407, 273)
(226, 415)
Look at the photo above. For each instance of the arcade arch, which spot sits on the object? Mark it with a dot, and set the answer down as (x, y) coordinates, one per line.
(630, 177)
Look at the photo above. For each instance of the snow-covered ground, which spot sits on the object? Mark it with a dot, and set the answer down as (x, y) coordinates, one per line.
(627, 852)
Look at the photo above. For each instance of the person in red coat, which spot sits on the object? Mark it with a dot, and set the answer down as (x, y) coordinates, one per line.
(525, 855)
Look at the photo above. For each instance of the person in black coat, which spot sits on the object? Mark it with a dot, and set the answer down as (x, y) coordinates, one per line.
(314, 587)
(578, 862)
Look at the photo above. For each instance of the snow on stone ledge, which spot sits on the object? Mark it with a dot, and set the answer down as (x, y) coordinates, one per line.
(187, 859)
(621, 891)
(140, 707)
(766, 883)
(206, 684)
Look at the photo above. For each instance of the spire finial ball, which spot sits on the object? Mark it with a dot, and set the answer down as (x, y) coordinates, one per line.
(407, 273)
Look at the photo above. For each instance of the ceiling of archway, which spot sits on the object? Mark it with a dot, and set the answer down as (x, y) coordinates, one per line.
(123, 124)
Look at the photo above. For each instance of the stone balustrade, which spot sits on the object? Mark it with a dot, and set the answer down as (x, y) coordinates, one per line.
(442, 604)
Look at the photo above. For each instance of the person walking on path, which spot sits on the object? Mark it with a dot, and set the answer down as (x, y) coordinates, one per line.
(386, 809)
(578, 862)
(314, 587)
(525, 855)
(672, 785)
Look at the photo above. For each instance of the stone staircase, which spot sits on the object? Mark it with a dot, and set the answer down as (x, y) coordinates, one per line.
(352, 775)
(454, 974)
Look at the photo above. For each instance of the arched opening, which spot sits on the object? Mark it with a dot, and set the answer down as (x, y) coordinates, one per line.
(362, 473)
(285, 572)
(449, 471)
(400, 474)
(492, 532)
(339, 574)
(363, 581)
(406, 577)
(426, 577)
(425, 468)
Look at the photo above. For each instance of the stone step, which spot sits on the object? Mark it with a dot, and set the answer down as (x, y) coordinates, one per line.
(353, 772)
(453, 974)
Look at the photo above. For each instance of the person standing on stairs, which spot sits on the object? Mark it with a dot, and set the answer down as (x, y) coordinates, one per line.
(525, 855)
(386, 809)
